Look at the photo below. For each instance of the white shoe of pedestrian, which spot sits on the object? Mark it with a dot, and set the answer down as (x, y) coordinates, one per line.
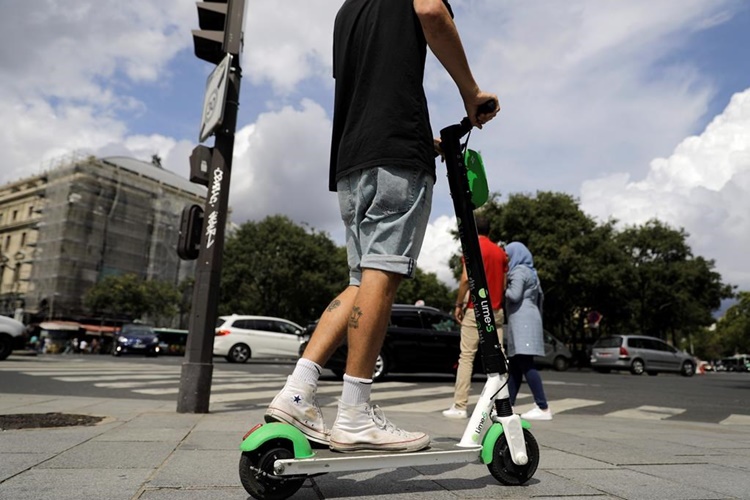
(454, 412)
(364, 427)
(297, 405)
(537, 414)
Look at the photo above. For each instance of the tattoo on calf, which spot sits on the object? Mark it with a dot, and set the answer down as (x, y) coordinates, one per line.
(354, 318)
(333, 305)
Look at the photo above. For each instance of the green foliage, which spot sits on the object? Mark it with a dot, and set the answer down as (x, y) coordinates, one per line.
(732, 335)
(426, 287)
(642, 279)
(130, 296)
(277, 268)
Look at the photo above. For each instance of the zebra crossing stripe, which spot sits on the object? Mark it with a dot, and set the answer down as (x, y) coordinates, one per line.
(117, 377)
(736, 419)
(215, 387)
(324, 388)
(647, 413)
(560, 405)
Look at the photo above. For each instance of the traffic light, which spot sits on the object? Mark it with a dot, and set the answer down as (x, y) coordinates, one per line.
(220, 32)
(191, 226)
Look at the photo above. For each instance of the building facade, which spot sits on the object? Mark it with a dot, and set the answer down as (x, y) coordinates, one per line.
(63, 231)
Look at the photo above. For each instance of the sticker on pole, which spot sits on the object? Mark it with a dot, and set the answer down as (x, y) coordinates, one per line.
(215, 98)
(480, 191)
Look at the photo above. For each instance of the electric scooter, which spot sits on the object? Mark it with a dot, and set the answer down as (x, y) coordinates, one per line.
(277, 458)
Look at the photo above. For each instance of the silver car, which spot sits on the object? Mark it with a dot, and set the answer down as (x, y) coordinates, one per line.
(638, 354)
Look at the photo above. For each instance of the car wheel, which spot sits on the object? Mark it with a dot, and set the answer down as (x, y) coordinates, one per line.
(637, 367)
(6, 346)
(688, 369)
(381, 367)
(239, 353)
(652, 373)
(560, 363)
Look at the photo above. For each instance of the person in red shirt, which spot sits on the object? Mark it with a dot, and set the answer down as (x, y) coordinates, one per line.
(495, 268)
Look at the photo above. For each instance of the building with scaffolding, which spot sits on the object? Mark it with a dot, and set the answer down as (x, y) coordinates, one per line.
(64, 230)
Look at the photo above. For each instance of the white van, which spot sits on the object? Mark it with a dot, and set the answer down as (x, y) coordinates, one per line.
(11, 336)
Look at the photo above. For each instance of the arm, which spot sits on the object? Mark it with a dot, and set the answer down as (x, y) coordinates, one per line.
(514, 292)
(442, 37)
(463, 289)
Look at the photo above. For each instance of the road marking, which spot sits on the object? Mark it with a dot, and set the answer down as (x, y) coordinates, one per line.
(335, 388)
(647, 413)
(561, 405)
(736, 419)
(116, 377)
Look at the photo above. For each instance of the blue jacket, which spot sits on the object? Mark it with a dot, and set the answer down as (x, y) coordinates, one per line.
(523, 305)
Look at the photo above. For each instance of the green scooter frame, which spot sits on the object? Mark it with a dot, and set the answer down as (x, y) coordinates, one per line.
(277, 458)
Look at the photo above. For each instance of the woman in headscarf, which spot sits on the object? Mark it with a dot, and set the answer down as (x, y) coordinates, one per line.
(523, 302)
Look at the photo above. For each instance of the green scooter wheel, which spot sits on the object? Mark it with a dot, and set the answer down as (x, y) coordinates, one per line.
(505, 470)
(257, 473)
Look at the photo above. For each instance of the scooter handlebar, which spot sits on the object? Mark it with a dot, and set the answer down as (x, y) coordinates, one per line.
(486, 108)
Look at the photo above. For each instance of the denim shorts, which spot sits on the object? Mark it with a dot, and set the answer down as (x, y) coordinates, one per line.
(385, 211)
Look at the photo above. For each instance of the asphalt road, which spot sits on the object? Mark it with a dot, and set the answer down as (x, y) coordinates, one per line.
(711, 398)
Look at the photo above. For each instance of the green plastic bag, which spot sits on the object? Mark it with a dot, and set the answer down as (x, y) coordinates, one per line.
(480, 190)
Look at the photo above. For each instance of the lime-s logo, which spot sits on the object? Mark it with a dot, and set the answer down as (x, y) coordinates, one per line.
(482, 293)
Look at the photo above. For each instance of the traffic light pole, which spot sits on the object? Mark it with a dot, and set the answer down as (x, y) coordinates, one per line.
(197, 369)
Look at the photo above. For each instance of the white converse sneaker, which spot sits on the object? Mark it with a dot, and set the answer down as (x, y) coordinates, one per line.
(364, 427)
(454, 412)
(537, 413)
(297, 405)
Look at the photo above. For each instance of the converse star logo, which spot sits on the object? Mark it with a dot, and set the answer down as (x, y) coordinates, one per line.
(297, 398)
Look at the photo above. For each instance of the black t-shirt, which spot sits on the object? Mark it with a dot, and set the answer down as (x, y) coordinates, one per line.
(380, 110)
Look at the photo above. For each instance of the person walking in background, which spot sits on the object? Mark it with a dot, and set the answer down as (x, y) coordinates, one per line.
(383, 169)
(495, 267)
(523, 303)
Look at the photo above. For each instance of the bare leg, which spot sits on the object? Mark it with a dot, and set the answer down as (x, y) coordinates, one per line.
(368, 320)
(331, 328)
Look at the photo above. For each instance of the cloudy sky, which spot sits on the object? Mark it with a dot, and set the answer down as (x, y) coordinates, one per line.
(638, 108)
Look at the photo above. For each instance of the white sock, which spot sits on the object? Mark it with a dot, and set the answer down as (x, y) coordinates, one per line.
(356, 390)
(307, 371)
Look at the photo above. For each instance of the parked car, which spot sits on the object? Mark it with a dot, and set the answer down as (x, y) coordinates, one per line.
(423, 339)
(136, 338)
(638, 354)
(11, 336)
(419, 339)
(556, 353)
(736, 363)
(239, 338)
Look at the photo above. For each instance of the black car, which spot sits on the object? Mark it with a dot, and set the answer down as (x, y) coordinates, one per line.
(419, 339)
(136, 338)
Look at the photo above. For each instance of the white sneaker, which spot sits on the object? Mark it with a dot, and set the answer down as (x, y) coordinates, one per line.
(537, 414)
(297, 405)
(364, 427)
(454, 412)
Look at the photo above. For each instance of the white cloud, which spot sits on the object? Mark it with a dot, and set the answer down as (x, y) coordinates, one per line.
(585, 88)
(438, 247)
(703, 186)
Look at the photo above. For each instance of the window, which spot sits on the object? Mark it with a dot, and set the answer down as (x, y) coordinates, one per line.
(284, 327)
(23, 239)
(15, 215)
(406, 320)
(609, 342)
(7, 242)
(439, 322)
(31, 210)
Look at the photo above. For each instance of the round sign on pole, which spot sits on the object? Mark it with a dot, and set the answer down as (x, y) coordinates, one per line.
(215, 98)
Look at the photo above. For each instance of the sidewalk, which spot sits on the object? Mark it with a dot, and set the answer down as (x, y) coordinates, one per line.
(145, 450)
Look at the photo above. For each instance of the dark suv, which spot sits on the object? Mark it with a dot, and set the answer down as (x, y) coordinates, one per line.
(419, 339)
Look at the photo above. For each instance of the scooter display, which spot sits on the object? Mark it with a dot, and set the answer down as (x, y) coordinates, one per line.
(277, 458)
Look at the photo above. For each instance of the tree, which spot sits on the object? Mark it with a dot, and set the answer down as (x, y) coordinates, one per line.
(732, 334)
(275, 267)
(426, 287)
(673, 293)
(130, 297)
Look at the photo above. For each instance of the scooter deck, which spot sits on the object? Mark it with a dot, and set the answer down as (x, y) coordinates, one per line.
(326, 460)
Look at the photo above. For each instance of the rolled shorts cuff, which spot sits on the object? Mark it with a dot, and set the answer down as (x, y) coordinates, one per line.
(389, 263)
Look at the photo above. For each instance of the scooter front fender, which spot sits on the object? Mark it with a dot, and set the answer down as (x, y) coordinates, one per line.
(493, 434)
(277, 430)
